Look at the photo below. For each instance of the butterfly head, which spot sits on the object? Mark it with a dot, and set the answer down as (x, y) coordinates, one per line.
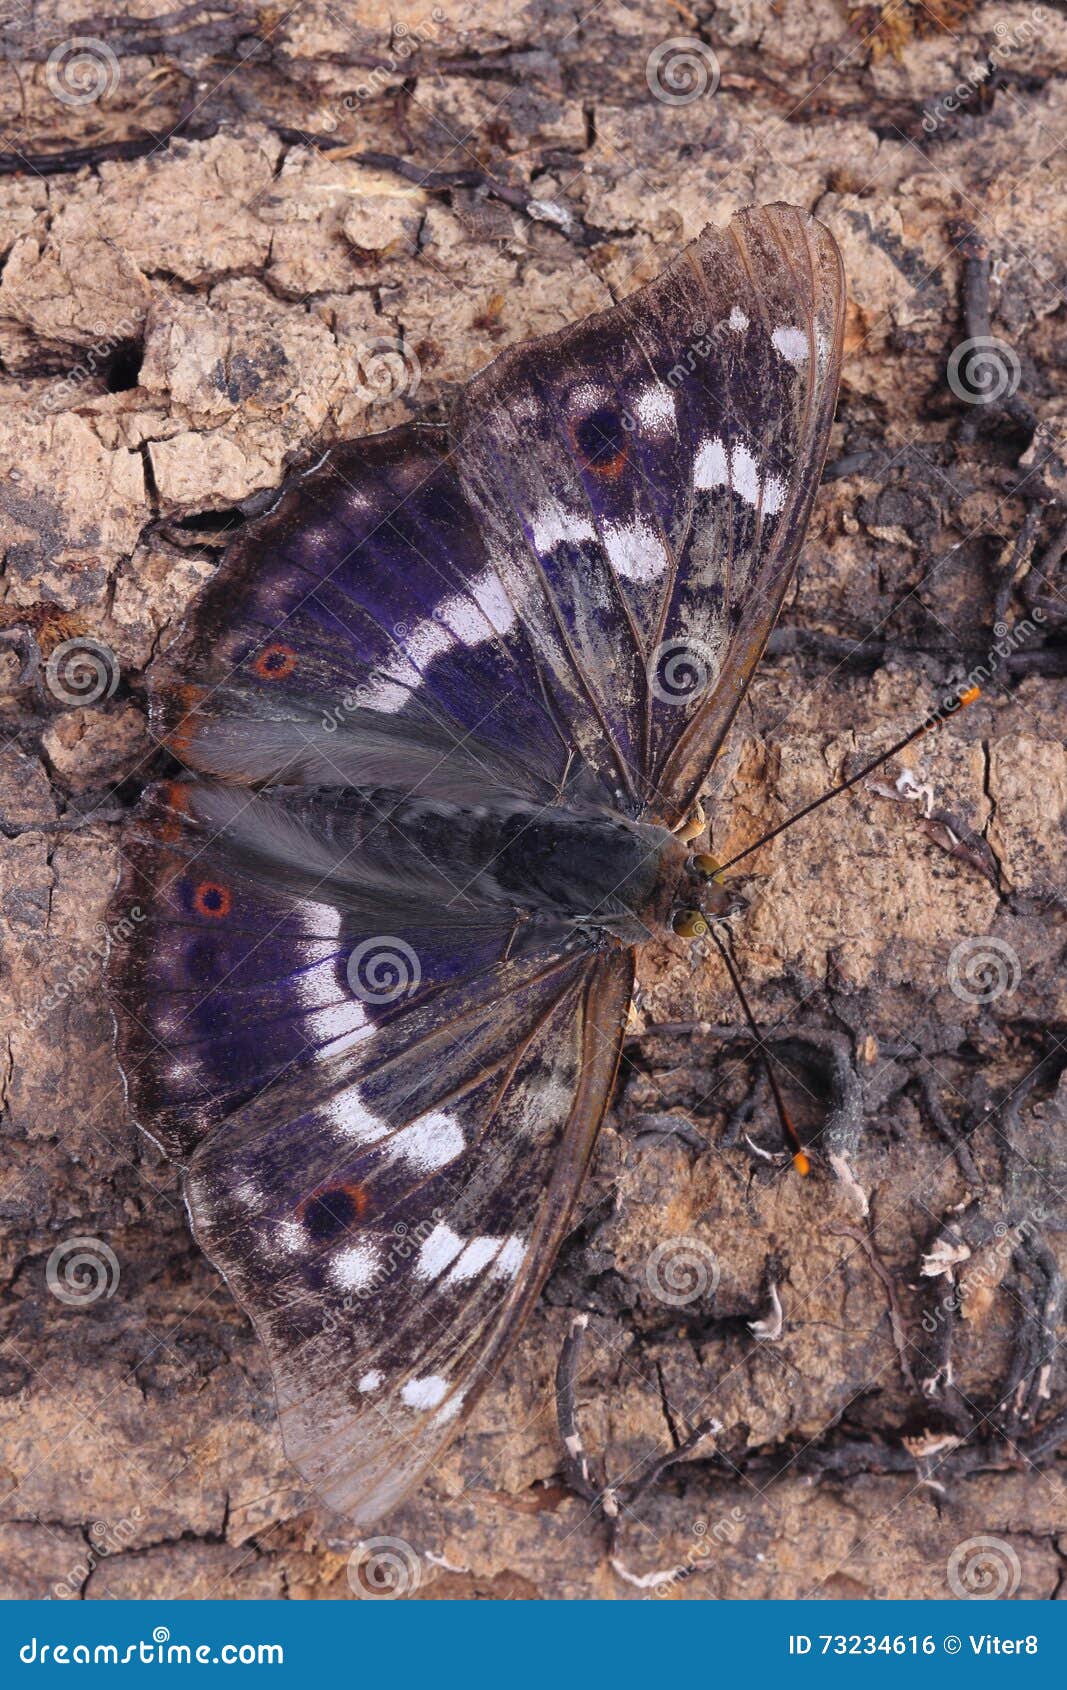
(708, 898)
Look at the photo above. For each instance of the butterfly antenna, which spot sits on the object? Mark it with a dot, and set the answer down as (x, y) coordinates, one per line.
(800, 1157)
(933, 721)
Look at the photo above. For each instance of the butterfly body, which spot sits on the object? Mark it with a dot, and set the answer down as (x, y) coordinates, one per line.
(559, 870)
(435, 724)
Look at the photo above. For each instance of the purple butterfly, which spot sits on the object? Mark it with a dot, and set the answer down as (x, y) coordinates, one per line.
(442, 717)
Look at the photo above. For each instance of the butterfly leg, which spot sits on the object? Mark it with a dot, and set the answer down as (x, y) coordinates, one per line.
(576, 1474)
(692, 826)
(611, 1499)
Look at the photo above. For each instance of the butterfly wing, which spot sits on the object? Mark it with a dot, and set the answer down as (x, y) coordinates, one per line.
(645, 477)
(391, 1236)
(474, 617)
(382, 1164)
(575, 581)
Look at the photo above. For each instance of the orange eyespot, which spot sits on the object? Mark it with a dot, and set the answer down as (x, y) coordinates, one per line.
(212, 899)
(274, 662)
(970, 695)
(609, 468)
(332, 1209)
(801, 1163)
(601, 442)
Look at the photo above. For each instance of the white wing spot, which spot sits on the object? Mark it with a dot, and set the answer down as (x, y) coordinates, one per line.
(488, 593)
(424, 1393)
(634, 551)
(430, 1142)
(654, 406)
(511, 1257)
(370, 1381)
(474, 1256)
(385, 695)
(441, 1247)
(792, 343)
(450, 1410)
(329, 1016)
(350, 1117)
(503, 1256)
(710, 468)
(738, 320)
(552, 525)
(427, 640)
(713, 467)
(744, 474)
(588, 397)
(286, 1237)
(355, 1267)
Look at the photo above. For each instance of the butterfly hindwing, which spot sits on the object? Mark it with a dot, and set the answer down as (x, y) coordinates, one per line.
(390, 1236)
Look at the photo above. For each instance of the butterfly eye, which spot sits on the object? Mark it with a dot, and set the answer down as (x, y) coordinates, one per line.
(705, 867)
(602, 441)
(689, 924)
(275, 662)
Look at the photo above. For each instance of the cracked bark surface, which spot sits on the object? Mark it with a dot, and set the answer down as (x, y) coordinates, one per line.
(197, 269)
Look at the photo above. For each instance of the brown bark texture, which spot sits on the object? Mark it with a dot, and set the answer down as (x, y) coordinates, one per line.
(232, 234)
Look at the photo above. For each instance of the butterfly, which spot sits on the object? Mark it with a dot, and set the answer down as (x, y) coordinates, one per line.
(437, 724)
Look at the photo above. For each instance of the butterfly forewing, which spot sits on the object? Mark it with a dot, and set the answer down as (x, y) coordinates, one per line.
(645, 478)
(382, 1077)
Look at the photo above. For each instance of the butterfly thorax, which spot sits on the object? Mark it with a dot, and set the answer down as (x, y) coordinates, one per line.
(595, 871)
